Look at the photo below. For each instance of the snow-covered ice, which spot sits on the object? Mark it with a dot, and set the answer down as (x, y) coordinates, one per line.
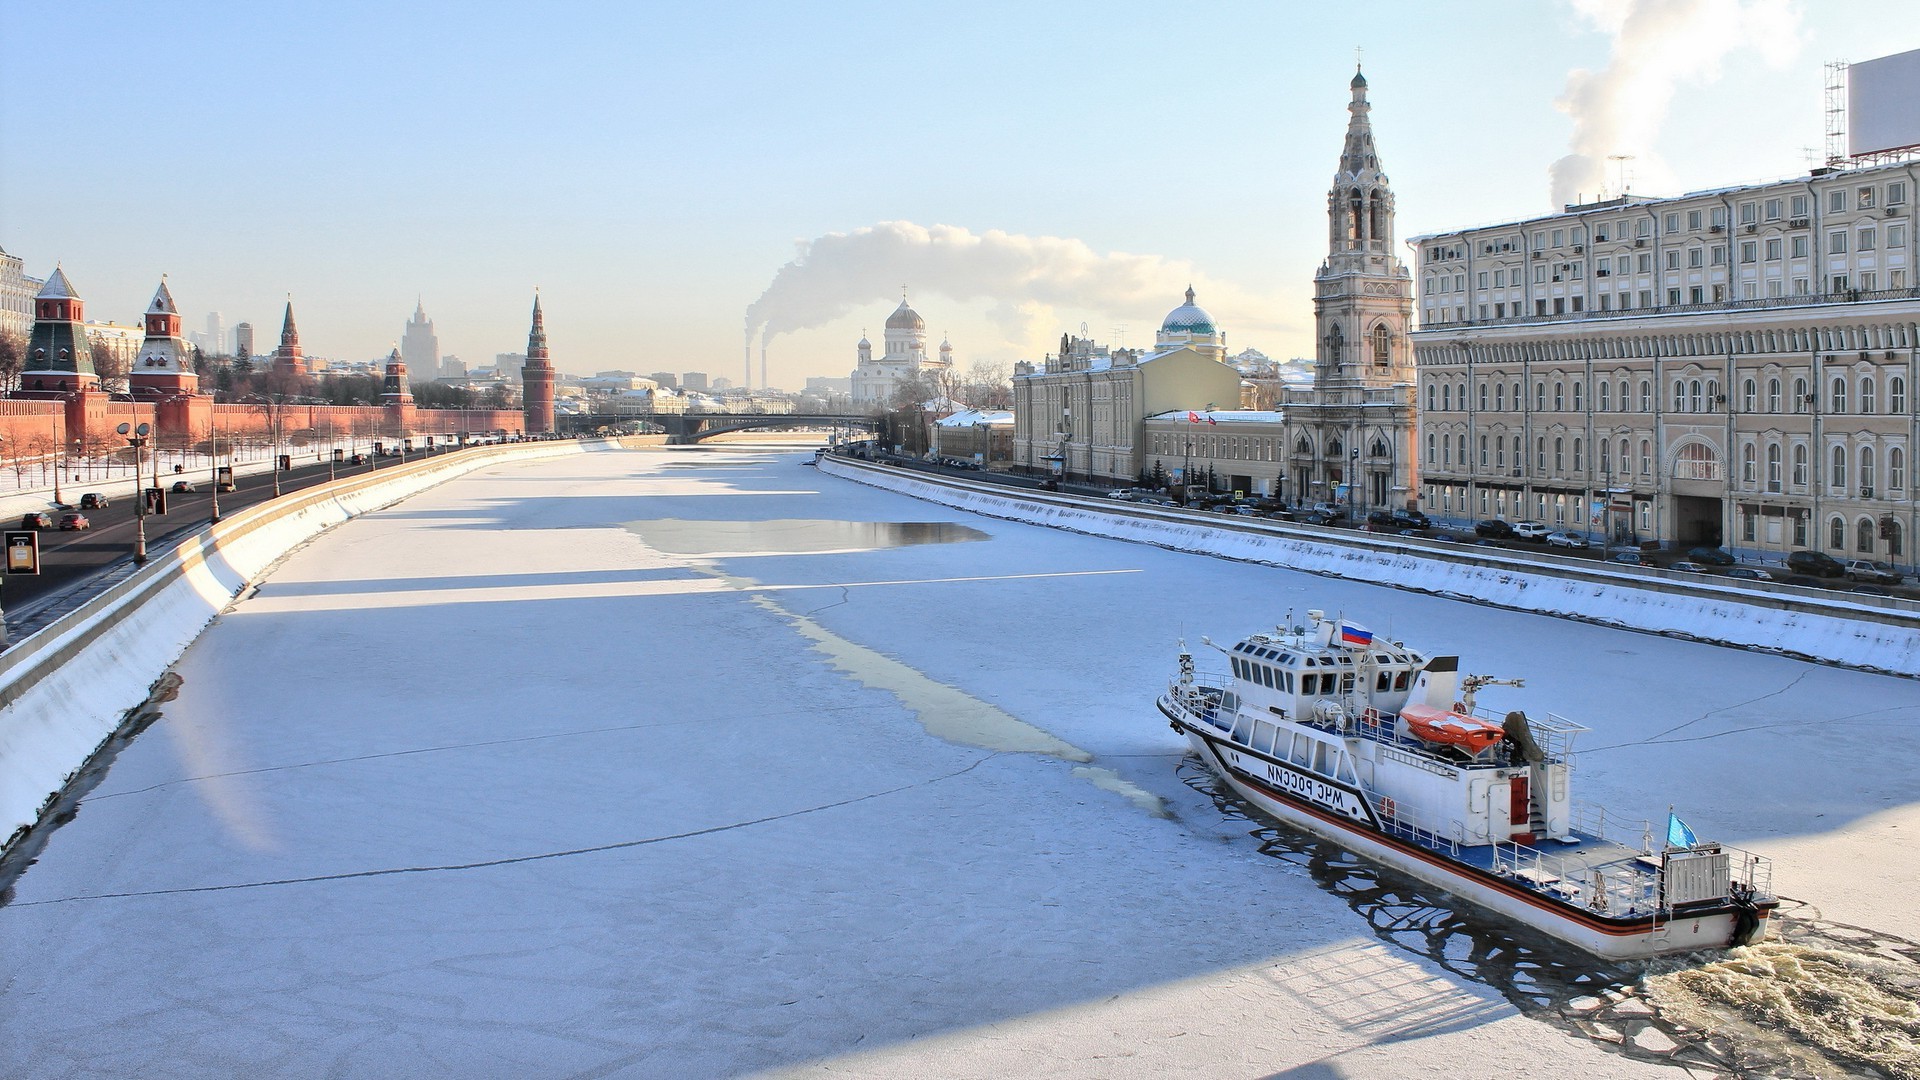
(483, 784)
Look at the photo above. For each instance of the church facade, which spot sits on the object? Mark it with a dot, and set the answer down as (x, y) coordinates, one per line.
(903, 357)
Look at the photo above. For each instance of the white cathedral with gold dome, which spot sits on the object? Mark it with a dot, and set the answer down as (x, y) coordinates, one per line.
(905, 356)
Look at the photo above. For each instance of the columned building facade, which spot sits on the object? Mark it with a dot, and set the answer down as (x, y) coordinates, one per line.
(1732, 368)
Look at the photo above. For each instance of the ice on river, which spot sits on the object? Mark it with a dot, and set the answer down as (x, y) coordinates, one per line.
(486, 784)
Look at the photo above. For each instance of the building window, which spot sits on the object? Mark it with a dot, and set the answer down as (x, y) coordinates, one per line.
(1693, 397)
(1483, 451)
(1559, 397)
(1579, 460)
(1866, 394)
(1540, 454)
(1539, 397)
(1773, 249)
(1749, 464)
(1863, 198)
(1837, 400)
(1837, 242)
(1863, 536)
(1799, 466)
(1800, 396)
(1836, 201)
(1646, 457)
(1897, 395)
(1559, 456)
(1605, 397)
(1896, 193)
(1749, 396)
(1646, 395)
(1897, 469)
(1837, 478)
(1483, 397)
(1382, 347)
(1749, 251)
(1799, 247)
(1866, 472)
(1773, 395)
(1578, 392)
(1773, 468)
(1500, 397)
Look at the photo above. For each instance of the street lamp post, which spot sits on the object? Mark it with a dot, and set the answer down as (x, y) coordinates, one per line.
(1353, 486)
(137, 438)
(213, 453)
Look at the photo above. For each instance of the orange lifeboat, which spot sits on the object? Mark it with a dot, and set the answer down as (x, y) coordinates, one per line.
(1469, 733)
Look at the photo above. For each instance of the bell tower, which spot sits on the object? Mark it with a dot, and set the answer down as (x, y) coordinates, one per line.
(1363, 294)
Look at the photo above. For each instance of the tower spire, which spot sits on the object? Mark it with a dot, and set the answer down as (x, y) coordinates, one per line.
(536, 377)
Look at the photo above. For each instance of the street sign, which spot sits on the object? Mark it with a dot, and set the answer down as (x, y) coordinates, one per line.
(23, 552)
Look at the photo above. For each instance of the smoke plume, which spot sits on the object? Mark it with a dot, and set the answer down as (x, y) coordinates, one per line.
(1021, 278)
(1657, 44)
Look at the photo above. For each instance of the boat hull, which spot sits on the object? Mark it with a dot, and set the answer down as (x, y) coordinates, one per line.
(1710, 927)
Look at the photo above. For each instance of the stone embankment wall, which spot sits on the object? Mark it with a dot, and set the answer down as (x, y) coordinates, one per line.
(1875, 634)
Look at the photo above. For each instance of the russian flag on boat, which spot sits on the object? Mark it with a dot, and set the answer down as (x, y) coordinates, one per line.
(1356, 636)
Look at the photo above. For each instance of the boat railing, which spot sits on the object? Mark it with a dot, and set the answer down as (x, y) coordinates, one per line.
(1751, 871)
(1409, 824)
(1625, 886)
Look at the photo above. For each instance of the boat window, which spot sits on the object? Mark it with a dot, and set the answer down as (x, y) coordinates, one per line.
(1263, 737)
(1266, 675)
(1321, 762)
(1346, 770)
(1286, 681)
(1400, 680)
(1229, 701)
(1302, 749)
(1242, 726)
(1385, 682)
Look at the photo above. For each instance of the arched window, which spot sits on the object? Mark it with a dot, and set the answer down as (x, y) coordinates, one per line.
(1800, 465)
(1866, 471)
(1483, 452)
(1749, 396)
(1430, 394)
(1430, 450)
(1500, 451)
(1693, 396)
(1895, 548)
(1303, 446)
(1539, 397)
(1646, 395)
(1749, 463)
(1500, 397)
(1559, 397)
(1866, 394)
(1579, 463)
(1773, 395)
(1382, 347)
(1483, 397)
(1897, 394)
(1863, 536)
(1713, 393)
(1800, 401)
(1606, 458)
(1837, 478)
(1540, 454)
(1897, 468)
(1773, 467)
(1837, 396)
(1446, 399)
(1679, 396)
(1646, 457)
(1605, 396)
(1559, 455)
(1579, 392)
(1837, 534)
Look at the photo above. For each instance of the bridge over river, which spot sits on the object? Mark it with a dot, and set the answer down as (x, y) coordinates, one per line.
(693, 427)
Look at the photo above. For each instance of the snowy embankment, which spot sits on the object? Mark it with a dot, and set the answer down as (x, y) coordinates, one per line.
(1877, 636)
(64, 690)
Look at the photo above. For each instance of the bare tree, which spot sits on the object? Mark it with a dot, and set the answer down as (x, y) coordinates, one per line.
(109, 364)
(13, 358)
(987, 386)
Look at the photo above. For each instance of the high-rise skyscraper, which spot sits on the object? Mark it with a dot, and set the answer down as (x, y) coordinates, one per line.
(216, 333)
(243, 340)
(418, 345)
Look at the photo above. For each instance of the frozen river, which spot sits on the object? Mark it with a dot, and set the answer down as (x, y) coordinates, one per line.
(700, 763)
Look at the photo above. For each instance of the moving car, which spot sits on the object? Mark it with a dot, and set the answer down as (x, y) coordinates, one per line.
(93, 500)
(357, 459)
(1712, 556)
(1815, 563)
(1494, 529)
(1532, 531)
(1873, 572)
(1630, 558)
(1749, 573)
(74, 522)
(183, 487)
(1566, 539)
(37, 520)
(1685, 567)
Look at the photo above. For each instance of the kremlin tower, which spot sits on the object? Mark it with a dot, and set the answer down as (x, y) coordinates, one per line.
(396, 397)
(288, 364)
(537, 378)
(59, 355)
(162, 368)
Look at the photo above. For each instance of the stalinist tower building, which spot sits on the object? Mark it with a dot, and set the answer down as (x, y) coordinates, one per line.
(1356, 426)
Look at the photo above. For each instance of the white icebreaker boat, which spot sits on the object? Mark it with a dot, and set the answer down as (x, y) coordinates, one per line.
(1379, 749)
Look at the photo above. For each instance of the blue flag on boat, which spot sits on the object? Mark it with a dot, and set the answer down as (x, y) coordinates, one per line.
(1678, 835)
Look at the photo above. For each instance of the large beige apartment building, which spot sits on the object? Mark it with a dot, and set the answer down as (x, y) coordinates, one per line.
(1727, 367)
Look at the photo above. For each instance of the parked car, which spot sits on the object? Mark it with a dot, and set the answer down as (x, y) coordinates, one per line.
(1815, 563)
(183, 487)
(93, 500)
(1412, 519)
(1630, 558)
(1566, 539)
(1712, 556)
(1494, 529)
(1873, 572)
(1686, 567)
(1531, 531)
(1749, 573)
(37, 520)
(357, 459)
(74, 522)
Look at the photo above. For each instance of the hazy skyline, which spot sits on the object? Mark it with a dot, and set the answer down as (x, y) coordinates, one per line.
(1021, 169)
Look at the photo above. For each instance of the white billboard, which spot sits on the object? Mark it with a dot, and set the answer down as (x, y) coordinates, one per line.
(1883, 104)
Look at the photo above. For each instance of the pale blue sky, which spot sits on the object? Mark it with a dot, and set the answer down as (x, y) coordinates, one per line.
(651, 166)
